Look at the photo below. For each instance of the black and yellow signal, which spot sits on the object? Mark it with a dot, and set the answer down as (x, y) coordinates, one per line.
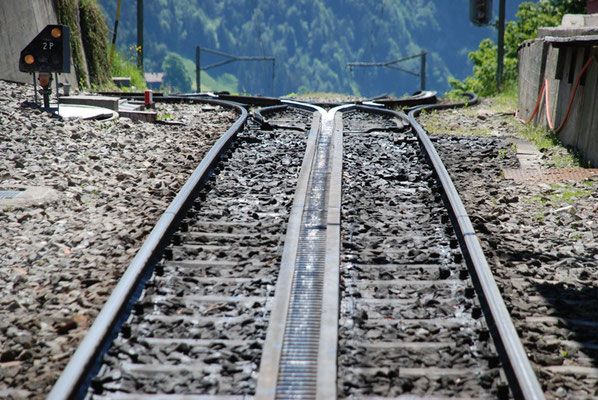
(50, 51)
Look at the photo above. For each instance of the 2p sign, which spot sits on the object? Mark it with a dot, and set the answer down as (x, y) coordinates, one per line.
(50, 51)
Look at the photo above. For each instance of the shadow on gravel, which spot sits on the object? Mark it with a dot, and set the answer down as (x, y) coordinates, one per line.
(574, 308)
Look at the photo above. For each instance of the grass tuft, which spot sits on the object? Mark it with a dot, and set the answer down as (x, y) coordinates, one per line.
(121, 66)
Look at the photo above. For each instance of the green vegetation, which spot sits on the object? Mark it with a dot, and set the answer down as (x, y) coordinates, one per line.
(560, 197)
(548, 143)
(506, 101)
(508, 153)
(175, 74)
(88, 34)
(122, 66)
(67, 15)
(544, 13)
(93, 33)
(562, 194)
(311, 40)
(540, 136)
(225, 82)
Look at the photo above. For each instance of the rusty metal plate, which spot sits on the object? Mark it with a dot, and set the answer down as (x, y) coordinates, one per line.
(534, 176)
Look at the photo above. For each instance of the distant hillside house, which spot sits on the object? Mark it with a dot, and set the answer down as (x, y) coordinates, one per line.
(153, 80)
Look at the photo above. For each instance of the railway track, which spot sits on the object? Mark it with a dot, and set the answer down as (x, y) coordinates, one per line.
(547, 289)
(257, 288)
(409, 321)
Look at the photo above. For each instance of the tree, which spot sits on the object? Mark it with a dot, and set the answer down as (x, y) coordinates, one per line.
(531, 16)
(175, 74)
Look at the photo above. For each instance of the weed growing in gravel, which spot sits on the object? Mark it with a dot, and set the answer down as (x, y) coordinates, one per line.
(507, 153)
(540, 216)
(503, 154)
(547, 142)
(559, 195)
(436, 122)
(165, 116)
(539, 136)
(506, 102)
(569, 194)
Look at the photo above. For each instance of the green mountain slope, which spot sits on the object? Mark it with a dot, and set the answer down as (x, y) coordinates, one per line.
(312, 40)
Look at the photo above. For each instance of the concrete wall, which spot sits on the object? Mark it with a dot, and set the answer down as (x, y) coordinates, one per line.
(20, 22)
(581, 128)
(531, 75)
(561, 66)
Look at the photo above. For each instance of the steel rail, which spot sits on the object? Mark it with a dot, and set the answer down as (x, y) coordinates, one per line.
(76, 377)
(272, 350)
(522, 379)
(258, 114)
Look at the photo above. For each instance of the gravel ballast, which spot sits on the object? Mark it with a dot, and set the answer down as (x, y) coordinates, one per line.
(110, 182)
(107, 183)
(203, 315)
(539, 239)
(409, 323)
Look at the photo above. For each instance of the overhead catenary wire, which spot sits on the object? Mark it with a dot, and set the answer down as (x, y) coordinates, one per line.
(229, 59)
(258, 31)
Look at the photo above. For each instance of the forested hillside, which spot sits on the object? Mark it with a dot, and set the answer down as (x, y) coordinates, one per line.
(312, 40)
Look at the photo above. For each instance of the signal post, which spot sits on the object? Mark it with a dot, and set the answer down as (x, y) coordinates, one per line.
(49, 52)
(480, 14)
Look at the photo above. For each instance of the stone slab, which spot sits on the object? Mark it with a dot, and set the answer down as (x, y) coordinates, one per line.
(538, 176)
(74, 111)
(108, 102)
(30, 196)
(580, 20)
(567, 31)
(528, 155)
(122, 81)
(141, 116)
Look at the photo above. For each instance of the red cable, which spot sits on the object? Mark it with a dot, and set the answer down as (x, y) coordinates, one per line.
(535, 108)
(544, 90)
(583, 70)
(547, 105)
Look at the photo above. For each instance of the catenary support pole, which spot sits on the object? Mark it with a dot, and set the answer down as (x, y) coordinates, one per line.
(501, 44)
(140, 34)
(422, 72)
(197, 70)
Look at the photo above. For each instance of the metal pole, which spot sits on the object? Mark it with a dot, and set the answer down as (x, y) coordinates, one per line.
(140, 34)
(423, 71)
(114, 34)
(34, 88)
(56, 79)
(273, 75)
(197, 70)
(501, 44)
